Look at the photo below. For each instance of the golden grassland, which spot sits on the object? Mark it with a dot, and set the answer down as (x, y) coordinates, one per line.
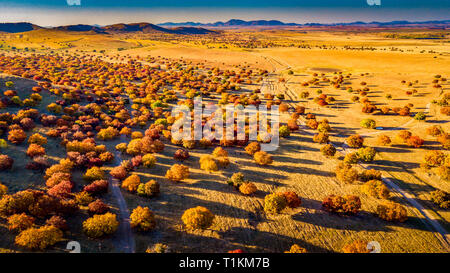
(298, 163)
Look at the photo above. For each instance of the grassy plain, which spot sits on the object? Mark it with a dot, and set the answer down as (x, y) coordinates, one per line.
(298, 163)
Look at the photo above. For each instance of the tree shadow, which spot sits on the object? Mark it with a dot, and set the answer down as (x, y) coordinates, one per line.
(363, 221)
(264, 241)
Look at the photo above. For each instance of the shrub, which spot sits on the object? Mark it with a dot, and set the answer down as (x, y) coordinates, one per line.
(57, 222)
(208, 163)
(17, 136)
(415, 141)
(219, 152)
(98, 207)
(236, 251)
(300, 109)
(328, 150)
(445, 110)
(368, 123)
(106, 157)
(142, 218)
(345, 173)
(368, 108)
(39, 238)
(292, 125)
(375, 188)
(434, 130)
(80, 146)
(420, 116)
(274, 203)
(149, 189)
(313, 124)
(189, 144)
(148, 160)
(131, 183)
(347, 204)
(119, 172)
(177, 172)
(247, 188)
(83, 198)
(121, 147)
(370, 174)
(57, 178)
(19, 222)
(96, 187)
(355, 141)
(391, 211)
(441, 198)
(3, 143)
(35, 150)
(94, 173)
(181, 154)
(37, 139)
(262, 158)
(158, 248)
(296, 249)
(252, 148)
(323, 127)
(197, 218)
(136, 134)
(3, 190)
(284, 131)
(292, 199)
(100, 225)
(444, 139)
(27, 124)
(6, 162)
(404, 111)
(383, 140)
(321, 138)
(358, 246)
(366, 154)
(62, 190)
(236, 180)
(385, 110)
(434, 158)
(443, 172)
(351, 158)
(134, 147)
(403, 136)
(108, 133)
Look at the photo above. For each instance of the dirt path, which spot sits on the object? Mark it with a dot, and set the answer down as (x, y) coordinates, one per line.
(125, 241)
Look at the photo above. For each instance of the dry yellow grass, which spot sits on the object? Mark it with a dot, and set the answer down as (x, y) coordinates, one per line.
(298, 164)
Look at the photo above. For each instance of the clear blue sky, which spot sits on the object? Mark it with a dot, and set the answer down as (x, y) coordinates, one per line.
(58, 12)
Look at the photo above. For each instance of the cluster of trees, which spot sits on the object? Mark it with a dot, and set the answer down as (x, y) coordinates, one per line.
(438, 162)
(276, 202)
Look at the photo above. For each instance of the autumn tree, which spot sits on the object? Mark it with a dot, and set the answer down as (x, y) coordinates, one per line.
(142, 218)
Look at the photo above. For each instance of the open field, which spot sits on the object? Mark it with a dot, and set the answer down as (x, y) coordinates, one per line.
(133, 81)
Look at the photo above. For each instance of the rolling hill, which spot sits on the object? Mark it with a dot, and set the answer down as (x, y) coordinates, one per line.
(17, 27)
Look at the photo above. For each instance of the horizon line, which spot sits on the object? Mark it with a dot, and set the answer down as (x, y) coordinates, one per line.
(226, 21)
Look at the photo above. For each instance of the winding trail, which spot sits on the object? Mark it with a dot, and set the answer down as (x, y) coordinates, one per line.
(429, 220)
(125, 242)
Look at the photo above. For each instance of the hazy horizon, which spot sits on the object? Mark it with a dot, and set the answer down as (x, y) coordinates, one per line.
(102, 12)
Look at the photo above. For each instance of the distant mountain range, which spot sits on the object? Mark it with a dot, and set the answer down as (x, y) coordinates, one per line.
(116, 28)
(192, 28)
(17, 27)
(275, 23)
(231, 23)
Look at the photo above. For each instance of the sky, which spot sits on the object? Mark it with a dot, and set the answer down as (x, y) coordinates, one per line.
(103, 12)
